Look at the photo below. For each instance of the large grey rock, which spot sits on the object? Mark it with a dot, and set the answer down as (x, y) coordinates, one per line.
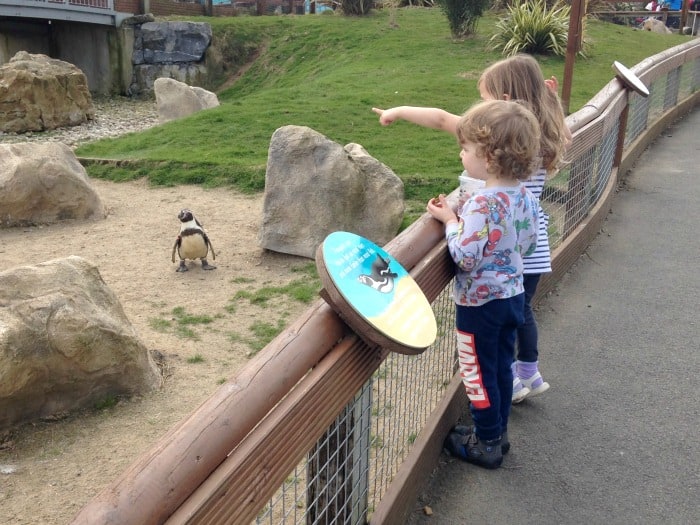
(43, 183)
(65, 342)
(178, 50)
(146, 75)
(175, 99)
(170, 42)
(314, 186)
(39, 93)
(656, 26)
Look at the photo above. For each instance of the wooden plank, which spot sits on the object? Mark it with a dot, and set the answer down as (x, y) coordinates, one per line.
(239, 488)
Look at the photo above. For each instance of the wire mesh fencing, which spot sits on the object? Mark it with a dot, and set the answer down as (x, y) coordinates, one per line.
(570, 195)
(349, 470)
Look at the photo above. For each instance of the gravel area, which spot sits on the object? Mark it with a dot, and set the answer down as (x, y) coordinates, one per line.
(113, 117)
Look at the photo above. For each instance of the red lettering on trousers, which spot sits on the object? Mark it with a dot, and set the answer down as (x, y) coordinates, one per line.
(470, 372)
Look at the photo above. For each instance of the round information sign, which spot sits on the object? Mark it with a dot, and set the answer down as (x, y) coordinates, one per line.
(374, 294)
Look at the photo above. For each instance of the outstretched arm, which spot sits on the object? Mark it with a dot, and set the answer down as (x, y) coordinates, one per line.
(434, 118)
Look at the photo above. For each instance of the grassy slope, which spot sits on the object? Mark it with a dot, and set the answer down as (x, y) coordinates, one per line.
(326, 72)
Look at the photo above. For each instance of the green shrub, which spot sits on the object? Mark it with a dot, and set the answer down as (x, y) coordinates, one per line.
(416, 3)
(356, 7)
(532, 27)
(462, 15)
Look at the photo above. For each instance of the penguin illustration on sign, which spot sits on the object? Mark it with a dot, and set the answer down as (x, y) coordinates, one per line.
(192, 242)
(381, 278)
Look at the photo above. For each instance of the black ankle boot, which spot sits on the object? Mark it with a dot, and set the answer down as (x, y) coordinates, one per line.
(484, 453)
(465, 430)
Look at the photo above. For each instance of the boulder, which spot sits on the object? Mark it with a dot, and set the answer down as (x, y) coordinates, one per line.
(314, 186)
(175, 99)
(178, 50)
(65, 342)
(656, 26)
(43, 183)
(145, 76)
(39, 93)
(171, 42)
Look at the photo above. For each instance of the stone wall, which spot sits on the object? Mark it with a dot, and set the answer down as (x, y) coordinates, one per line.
(178, 50)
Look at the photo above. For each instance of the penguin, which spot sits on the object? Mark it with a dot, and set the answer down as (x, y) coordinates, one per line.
(192, 243)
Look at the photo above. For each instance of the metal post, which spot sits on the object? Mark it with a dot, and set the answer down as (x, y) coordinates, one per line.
(684, 17)
(621, 133)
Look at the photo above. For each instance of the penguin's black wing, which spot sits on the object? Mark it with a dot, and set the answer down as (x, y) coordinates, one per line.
(175, 247)
(206, 240)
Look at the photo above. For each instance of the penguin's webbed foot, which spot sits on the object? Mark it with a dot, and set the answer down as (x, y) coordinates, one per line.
(182, 267)
(207, 266)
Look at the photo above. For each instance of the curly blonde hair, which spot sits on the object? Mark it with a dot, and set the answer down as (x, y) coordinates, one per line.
(520, 77)
(506, 133)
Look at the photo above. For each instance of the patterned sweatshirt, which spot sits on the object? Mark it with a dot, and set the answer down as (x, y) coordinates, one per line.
(496, 229)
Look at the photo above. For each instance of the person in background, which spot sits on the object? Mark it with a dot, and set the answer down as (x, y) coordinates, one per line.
(496, 228)
(673, 5)
(516, 78)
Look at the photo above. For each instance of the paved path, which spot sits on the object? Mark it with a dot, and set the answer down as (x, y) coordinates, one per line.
(615, 439)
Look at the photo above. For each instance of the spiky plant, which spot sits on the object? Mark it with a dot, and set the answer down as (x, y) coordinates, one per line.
(532, 27)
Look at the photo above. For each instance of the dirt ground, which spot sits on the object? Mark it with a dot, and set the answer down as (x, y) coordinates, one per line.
(51, 469)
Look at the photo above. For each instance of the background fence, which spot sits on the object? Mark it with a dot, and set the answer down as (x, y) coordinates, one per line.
(322, 427)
